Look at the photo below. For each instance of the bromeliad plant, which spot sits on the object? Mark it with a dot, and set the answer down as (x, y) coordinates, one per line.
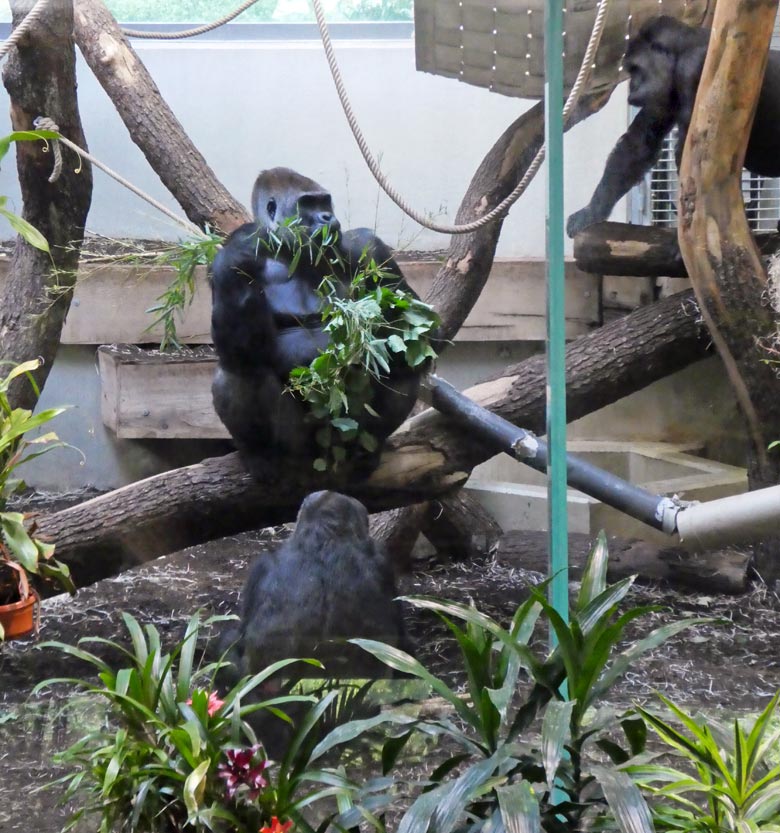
(22, 554)
(175, 754)
(731, 782)
(494, 779)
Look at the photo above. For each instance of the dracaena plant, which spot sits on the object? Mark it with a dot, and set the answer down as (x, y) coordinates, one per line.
(728, 777)
(22, 554)
(492, 777)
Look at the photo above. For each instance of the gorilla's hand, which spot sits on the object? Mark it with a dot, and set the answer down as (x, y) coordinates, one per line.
(582, 219)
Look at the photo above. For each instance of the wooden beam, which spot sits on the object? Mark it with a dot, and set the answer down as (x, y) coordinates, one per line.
(642, 251)
(110, 303)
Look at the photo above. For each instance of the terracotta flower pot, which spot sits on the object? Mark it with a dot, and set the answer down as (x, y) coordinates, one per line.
(19, 619)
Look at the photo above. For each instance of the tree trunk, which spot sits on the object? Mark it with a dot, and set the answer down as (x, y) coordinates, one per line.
(40, 77)
(151, 122)
(397, 530)
(642, 251)
(722, 259)
(459, 527)
(425, 458)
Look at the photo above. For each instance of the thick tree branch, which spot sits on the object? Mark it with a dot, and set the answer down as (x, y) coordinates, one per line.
(151, 122)
(40, 77)
(427, 457)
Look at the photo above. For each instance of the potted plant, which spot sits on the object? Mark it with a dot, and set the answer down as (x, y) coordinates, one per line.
(22, 555)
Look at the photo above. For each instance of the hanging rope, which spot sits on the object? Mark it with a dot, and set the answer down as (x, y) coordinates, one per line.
(501, 209)
(43, 123)
(30, 19)
(582, 77)
(189, 33)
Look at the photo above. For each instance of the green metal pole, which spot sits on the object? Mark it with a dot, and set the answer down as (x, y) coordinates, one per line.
(556, 315)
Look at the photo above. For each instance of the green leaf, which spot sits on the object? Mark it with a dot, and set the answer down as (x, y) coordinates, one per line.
(401, 661)
(396, 344)
(625, 801)
(195, 788)
(519, 808)
(594, 578)
(555, 733)
(18, 539)
(26, 230)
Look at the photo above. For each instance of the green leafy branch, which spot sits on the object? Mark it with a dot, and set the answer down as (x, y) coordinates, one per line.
(368, 325)
(184, 258)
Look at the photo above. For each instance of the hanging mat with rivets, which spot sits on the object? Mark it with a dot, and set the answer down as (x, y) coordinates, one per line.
(499, 44)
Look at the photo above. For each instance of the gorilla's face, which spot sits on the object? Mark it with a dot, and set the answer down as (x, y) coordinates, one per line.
(281, 194)
(651, 77)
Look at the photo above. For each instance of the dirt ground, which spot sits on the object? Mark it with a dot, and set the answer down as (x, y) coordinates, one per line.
(732, 665)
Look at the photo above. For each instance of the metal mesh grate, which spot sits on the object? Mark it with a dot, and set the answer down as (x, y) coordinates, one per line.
(761, 195)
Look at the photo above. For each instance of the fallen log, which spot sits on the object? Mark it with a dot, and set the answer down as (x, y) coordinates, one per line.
(425, 458)
(720, 571)
(642, 251)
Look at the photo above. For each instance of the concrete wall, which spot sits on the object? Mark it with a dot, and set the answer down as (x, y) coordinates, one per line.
(250, 105)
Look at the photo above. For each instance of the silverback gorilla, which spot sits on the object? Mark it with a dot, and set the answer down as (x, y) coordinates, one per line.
(664, 62)
(329, 582)
(266, 319)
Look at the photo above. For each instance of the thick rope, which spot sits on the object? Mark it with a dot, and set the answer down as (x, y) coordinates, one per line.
(43, 123)
(32, 17)
(582, 77)
(189, 33)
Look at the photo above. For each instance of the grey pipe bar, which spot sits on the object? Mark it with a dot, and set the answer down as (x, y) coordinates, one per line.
(656, 511)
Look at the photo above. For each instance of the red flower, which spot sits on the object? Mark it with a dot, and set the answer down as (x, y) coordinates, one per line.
(276, 826)
(240, 770)
(214, 704)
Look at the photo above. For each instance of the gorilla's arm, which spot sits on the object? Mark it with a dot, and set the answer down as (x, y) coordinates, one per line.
(242, 326)
(633, 155)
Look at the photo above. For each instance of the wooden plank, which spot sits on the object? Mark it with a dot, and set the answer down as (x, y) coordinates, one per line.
(110, 303)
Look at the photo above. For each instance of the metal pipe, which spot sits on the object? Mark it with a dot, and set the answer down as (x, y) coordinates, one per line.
(731, 520)
(555, 460)
(654, 510)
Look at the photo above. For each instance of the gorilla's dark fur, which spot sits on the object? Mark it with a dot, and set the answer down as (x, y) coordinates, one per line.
(664, 62)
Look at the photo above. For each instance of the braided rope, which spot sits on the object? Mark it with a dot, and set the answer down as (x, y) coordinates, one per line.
(45, 123)
(189, 33)
(582, 76)
(29, 20)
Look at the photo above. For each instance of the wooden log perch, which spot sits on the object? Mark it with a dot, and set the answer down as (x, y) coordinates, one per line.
(722, 260)
(642, 251)
(425, 458)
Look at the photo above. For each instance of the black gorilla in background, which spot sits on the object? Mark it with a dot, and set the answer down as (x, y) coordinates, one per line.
(266, 319)
(664, 62)
(329, 582)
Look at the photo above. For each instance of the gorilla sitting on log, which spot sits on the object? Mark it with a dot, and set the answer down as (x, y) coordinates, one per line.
(664, 62)
(267, 320)
(329, 582)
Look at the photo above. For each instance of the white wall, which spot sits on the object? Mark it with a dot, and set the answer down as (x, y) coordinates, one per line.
(250, 105)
